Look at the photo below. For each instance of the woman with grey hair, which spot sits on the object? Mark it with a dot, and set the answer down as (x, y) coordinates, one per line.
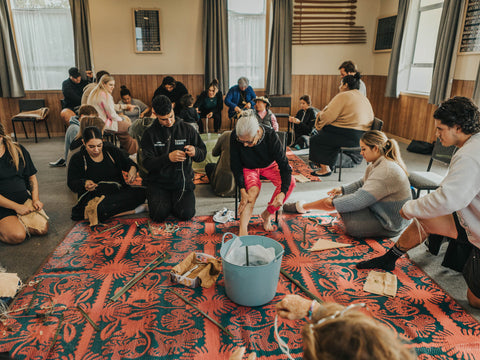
(255, 150)
(239, 97)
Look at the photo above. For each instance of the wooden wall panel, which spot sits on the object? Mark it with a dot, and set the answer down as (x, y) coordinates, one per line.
(408, 116)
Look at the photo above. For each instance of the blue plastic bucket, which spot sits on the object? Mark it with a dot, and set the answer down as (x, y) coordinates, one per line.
(251, 285)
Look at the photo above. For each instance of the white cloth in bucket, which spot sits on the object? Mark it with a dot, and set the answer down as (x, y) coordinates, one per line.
(257, 254)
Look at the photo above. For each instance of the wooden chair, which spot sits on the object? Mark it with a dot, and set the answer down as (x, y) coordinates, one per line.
(377, 124)
(34, 111)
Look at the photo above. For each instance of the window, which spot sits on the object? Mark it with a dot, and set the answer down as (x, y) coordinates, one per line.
(44, 37)
(419, 44)
(246, 41)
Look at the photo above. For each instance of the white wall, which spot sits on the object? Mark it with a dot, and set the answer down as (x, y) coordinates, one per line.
(325, 59)
(111, 23)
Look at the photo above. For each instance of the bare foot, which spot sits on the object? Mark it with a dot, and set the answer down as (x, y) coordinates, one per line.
(267, 220)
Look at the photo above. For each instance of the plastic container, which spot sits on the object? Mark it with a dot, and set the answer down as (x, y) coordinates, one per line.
(251, 285)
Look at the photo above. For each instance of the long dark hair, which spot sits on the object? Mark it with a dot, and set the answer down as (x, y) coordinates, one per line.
(12, 148)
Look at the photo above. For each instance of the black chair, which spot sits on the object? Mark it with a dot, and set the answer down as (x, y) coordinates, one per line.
(34, 111)
(429, 180)
(377, 124)
(281, 103)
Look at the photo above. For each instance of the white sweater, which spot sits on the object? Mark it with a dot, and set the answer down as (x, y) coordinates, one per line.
(459, 192)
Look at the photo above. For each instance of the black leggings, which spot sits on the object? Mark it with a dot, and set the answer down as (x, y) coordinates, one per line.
(217, 121)
(162, 203)
(119, 202)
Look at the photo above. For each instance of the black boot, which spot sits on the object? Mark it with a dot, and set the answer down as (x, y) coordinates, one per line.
(385, 262)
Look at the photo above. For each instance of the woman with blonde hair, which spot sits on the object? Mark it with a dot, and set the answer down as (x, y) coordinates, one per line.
(369, 207)
(18, 183)
(101, 98)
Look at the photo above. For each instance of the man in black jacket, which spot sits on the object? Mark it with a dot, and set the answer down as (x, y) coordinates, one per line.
(169, 145)
(72, 90)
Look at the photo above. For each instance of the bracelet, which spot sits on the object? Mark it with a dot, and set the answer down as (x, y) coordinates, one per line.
(310, 311)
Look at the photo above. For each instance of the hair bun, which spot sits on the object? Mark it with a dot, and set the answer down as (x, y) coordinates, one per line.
(123, 87)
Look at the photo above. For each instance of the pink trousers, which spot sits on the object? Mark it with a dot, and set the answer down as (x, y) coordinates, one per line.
(272, 173)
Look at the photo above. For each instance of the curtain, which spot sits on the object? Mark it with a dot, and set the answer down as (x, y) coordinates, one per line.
(391, 89)
(279, 72)
(81, 37)
(45, 46)
(446, 50)
(216, 42)
(11, 84)
(476, 90)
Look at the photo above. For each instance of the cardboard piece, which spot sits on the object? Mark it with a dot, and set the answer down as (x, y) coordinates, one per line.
(301, 178)
(381, 283)
(326, 245)
(10, 284)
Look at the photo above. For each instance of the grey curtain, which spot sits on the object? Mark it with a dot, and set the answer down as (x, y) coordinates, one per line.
(11, 84)
(476, 90)
(446, 50)
(81, 37)
(391, 89)
(279, 72)
(216, 42)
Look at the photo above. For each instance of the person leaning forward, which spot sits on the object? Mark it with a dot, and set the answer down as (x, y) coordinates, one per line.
(169, 145)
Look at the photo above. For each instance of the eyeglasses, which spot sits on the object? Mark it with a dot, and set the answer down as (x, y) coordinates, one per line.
(248, 142)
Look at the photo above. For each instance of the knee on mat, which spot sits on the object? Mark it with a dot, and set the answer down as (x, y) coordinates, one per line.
(185, 214)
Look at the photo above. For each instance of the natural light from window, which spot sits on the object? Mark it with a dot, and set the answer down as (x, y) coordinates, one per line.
(420, 42)
(246, 41)
(44, 37)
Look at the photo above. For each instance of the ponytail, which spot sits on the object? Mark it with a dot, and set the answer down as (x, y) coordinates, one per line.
(388, 147)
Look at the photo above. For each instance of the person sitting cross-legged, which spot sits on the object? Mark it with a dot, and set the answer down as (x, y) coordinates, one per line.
(453, 209)
(370, 206)
(255, 150)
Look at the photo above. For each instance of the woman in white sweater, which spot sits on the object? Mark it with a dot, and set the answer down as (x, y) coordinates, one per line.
(370, 207)
(101, 98)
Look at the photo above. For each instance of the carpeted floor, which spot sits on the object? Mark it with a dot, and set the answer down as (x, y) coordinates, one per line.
(149, 322)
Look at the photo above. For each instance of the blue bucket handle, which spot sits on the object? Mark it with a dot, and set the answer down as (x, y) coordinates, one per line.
(228, 233)
(279, 255)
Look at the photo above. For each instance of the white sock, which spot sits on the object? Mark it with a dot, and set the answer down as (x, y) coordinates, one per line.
(141, 208)
(299, 206)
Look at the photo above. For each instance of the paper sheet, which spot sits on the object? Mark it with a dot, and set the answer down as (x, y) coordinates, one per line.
(327, 244)
(10, 283)
(301, 178)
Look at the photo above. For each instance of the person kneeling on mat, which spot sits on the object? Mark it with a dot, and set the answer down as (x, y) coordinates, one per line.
(453, 209)
(169, 145)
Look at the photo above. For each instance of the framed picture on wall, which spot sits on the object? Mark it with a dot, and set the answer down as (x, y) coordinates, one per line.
(470, 40)
(384, 33)
(146, 31)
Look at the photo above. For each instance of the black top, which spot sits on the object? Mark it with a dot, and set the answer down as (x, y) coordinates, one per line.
(178, 91)
(189, 115)
(266, 151)
(207, 105)
(82, 168)
(157, 142)
(307, 118)
(11, 180)
(72, 93)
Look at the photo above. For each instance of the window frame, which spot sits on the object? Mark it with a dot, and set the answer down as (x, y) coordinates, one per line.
(411, 57)
(268, 4)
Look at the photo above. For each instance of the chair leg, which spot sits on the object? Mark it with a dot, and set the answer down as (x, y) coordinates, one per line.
(24, 130)
(35, 130)
(236, 202)
(48, 132)
(340, 166)
(14, 131)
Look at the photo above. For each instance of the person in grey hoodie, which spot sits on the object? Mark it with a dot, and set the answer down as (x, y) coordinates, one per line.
(452, 210)
(370, 206)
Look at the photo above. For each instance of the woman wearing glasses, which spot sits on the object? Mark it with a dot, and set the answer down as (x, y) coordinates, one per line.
(256, 151)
